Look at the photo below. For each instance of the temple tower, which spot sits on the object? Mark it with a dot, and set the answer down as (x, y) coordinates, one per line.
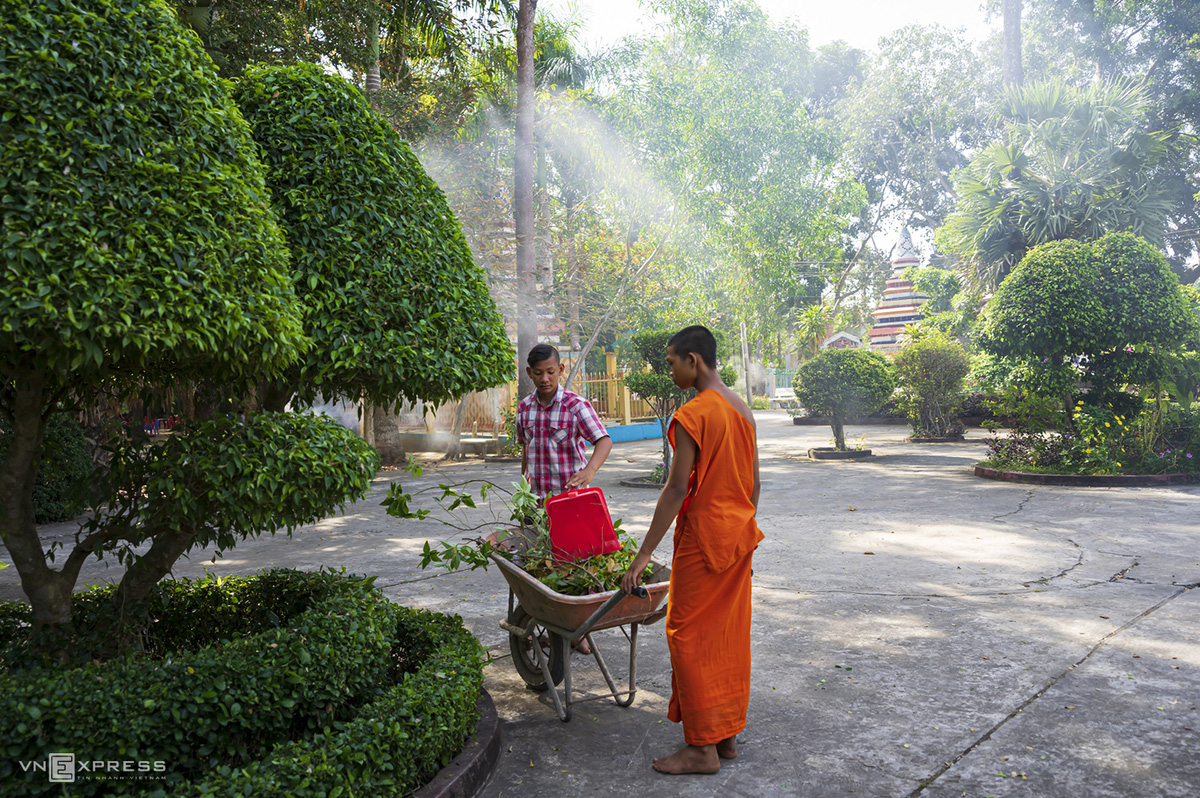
(901, 304)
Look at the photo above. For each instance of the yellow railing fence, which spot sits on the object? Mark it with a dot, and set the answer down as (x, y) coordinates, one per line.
(485, 410)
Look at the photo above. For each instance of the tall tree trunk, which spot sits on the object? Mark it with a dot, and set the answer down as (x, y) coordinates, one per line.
(572, 274)
(374, 82)
(667, 452)
(386, 434)
(523, 193)
(48, 590)
(1013, 72)
(746, 365)
(366, 420)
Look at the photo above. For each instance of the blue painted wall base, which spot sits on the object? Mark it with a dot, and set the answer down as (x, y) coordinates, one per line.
(635, 432)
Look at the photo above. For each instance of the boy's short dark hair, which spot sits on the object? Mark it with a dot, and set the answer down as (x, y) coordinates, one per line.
(698, 339)
(542, 352)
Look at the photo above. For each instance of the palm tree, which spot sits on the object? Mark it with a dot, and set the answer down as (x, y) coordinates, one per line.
(812, 328)
(1073, 163)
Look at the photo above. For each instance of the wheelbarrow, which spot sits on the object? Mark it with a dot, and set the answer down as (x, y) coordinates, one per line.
(543, 623)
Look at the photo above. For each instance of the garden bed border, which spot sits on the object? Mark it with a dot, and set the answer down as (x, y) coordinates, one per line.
(832, 454)
(1089, 480)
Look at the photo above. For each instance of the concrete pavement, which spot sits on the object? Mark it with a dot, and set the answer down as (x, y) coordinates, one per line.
(918, 631)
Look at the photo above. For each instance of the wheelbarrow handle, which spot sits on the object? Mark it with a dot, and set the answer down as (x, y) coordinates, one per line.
(606, 608)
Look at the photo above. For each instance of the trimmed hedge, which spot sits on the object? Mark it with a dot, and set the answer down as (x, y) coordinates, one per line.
(299, 688)
(394, 746)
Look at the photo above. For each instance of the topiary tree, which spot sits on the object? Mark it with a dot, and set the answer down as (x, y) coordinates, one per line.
(392, 299)
(842, 383)
(1101, 314)
(139, 249)
(656, 386)
(929, 376)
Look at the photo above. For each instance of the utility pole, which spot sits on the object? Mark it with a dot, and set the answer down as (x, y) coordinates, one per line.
(746, 365)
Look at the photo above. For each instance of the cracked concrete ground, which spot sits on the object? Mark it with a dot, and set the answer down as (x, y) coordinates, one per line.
(918, 632)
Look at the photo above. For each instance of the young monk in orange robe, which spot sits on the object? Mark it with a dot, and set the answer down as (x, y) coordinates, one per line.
(713, 487)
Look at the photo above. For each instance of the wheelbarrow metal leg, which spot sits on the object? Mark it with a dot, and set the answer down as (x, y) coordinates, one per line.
(622, 699)
(632, 668)
(564, 714)
(561, 707)
(612, 686)
(543, 662)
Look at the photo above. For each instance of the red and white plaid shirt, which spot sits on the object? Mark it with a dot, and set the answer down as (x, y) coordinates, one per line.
(554, 438)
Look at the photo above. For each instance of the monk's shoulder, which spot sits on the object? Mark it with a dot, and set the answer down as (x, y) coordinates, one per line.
(738, 404)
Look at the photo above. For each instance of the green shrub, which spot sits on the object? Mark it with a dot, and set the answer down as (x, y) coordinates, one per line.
(929, 375)
(224, 480)
(322, 648)
(1162, 438)
(186, 615)
(1073, 312)
(225, 703)
(63, 473)
(843, 383)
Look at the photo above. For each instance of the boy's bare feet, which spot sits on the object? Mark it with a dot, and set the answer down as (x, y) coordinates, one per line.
(690, 759)
(727, 748)
(582, 646)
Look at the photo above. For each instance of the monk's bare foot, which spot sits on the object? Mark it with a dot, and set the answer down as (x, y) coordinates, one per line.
(690, 759)
(727, 748)
(582, 646)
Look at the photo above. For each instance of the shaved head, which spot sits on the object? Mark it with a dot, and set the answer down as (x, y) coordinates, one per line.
(697, 340)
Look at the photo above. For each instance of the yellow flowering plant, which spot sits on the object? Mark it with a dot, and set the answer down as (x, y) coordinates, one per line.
(1099, 442)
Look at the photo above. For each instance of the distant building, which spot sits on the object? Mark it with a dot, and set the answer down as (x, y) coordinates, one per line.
(901, 305)
(842, 340)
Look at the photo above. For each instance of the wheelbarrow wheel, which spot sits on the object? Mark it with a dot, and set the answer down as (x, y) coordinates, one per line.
(525, 658)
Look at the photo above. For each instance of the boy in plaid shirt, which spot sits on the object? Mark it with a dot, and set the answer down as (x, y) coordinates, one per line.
(552, 426)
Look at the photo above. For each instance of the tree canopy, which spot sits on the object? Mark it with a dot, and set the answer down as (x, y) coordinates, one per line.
(1155, 44)
(717, 110)
(139, 244)
(1072, 164)
(143, 252)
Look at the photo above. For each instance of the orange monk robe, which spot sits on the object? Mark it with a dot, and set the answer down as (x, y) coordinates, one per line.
(708, 607)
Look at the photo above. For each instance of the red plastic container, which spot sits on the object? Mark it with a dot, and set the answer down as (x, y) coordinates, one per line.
(580, 524)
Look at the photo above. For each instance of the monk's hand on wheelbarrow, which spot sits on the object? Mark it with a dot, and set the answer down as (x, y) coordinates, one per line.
(633, 577)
